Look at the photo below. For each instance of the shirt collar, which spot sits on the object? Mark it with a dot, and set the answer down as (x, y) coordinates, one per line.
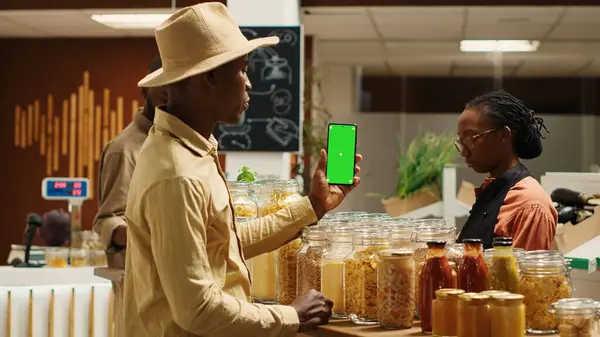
(188, 136)
(485, 184)
(141, 121)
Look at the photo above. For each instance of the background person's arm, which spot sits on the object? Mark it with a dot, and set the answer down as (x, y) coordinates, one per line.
(533, 228)
(113, 184)
(177, 216)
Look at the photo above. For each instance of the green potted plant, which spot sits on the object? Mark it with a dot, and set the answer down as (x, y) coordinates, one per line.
(420, 173)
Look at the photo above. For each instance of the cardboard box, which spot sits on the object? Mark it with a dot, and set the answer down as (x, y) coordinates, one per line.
(569, 236)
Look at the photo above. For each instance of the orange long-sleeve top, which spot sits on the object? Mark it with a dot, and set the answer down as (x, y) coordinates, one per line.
(527, 215)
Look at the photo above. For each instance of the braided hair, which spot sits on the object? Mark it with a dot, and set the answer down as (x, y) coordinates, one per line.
(504, 110)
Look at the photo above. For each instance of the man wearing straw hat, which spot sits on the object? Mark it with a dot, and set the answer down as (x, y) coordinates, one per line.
(185, 270)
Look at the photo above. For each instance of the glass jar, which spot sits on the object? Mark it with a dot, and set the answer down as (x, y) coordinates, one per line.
(57, 257)
(78, 257)
(287, 256)
(454, 268)
(309, 261)
(436, 274)
(503, 270)
(544, 280)
(474, 317)
(445, 312)
(241, 222)
(339, 246)
(507, 315)
(472, 270)
(396, 289)
(345, 215)
(243, 204)
(360, 275)
(577, 316)
(430, 230)
(96, 257)
(400, 233)
(494, 293)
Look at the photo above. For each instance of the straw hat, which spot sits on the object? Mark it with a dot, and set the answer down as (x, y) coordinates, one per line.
(197, 39)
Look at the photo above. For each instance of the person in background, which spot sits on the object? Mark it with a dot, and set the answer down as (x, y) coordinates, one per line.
(55, 231)
(186, 271)
(117, 162)
(116, 167)
(56, 228)
(495, 131)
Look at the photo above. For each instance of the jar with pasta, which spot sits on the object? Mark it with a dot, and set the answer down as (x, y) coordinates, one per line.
(310, 257)
(396, 289)
(283, 196)
(243, 204)
(241, 222)
(360, 275)
(339, 245)
(544, 280)
(577, 317)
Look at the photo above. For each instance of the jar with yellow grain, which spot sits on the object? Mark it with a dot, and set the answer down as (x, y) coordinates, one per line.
(578, 317)
(243, 204)
(544, 280)
(474, 317)
(339, 245)
(285, 194)
(396, 286)
(445, 312)
(507, 315)
(360, 275)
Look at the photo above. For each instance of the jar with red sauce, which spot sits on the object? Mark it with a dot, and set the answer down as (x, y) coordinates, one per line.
(472, 271)
(436, 274)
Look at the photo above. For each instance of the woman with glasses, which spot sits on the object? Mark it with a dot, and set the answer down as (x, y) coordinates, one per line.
(495, 131)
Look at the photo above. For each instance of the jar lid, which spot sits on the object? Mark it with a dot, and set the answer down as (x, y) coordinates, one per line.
(502, 242)
(392, 253)
(508, 298)
(436, 243)
(494, 293)
(474, 298)
(448, 293)
(315, 233)
(575, 306)
(471, 241)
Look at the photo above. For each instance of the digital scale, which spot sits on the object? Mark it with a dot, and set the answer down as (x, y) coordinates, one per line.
(75, 191)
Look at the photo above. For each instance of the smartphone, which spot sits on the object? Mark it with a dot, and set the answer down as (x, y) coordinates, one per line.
(341, 153)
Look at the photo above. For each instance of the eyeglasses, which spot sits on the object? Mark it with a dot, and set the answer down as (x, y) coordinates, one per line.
(469, 142)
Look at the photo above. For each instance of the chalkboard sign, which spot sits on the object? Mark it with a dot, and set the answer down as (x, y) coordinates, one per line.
(272, 122)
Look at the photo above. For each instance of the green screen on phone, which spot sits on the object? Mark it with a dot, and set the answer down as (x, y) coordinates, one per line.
(341, 152)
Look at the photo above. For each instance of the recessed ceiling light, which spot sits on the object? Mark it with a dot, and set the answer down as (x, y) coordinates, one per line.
(131, 21)
(507, 46)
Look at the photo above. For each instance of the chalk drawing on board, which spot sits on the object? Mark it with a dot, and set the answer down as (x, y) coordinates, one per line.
(281, 130)
(286, 36)
(235, 137)
(264, 93)
(258, 56)
(276, 69)
(282, 101)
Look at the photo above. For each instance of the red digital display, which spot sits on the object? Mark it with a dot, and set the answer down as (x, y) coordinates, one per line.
(65, 189)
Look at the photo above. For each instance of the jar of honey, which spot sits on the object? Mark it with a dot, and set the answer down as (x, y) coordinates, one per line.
(474, 317)
(508, 315)
(445, 312)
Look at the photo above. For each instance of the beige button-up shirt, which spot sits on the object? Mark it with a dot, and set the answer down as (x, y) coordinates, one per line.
(186, 274)
(114, 174)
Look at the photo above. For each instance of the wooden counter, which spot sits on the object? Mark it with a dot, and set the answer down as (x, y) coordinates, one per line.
(345, 328)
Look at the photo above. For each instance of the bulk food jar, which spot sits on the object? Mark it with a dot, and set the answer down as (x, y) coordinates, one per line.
(401, 231)
(310, 257)
(339, 245)
(287, 256)
(435, 274)
(472, 270)
(243, 204)
(474, 317)
(396, 286)
(544, 280)
(577, 317)
(503, 269)
(360, 275)
(445, 312)
(507, 315)
(241, 222)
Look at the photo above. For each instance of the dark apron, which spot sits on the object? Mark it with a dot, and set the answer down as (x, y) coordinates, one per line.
(484, 214)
